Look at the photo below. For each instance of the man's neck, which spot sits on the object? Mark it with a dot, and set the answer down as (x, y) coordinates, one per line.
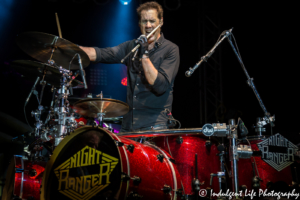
(151, 46)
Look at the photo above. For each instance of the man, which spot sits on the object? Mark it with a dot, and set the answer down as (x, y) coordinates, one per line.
(150, 77)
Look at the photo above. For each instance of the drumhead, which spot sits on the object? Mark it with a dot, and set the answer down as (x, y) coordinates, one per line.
(85, 165)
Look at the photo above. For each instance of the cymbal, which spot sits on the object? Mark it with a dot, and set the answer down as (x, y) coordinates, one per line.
(32, 69)
(92, 106)
(39, 46)
(73, 100)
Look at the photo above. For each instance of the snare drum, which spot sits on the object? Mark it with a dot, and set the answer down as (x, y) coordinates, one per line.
(267, 173)
(93, 163)
(183, 148)
(24, 179)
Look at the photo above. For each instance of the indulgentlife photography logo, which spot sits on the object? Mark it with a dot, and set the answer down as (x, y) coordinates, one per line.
(250, 193)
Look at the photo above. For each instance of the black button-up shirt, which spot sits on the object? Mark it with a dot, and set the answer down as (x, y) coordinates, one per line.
(147, 103)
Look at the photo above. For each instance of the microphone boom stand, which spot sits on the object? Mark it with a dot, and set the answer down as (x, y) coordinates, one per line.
(269, 119)
(208, 55)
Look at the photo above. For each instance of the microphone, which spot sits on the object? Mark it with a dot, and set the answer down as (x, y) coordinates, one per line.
(225, 34)
(37, 80)
(82, 72)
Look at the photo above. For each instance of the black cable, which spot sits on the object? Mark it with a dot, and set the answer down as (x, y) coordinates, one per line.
(26, 116)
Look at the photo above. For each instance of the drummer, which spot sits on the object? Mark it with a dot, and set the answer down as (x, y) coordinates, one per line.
(150, 76)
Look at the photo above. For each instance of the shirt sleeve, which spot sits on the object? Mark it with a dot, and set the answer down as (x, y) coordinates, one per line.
(113, 54)
(167, 71)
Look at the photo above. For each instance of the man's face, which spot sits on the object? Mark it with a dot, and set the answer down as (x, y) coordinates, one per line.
(148, 22)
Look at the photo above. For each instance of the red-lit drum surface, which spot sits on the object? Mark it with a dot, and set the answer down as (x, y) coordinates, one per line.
(266, 172)
(93, 163)
(81, 121)
(184, 155)
(24, 179)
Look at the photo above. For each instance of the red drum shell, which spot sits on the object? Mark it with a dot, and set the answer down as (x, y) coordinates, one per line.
(143, 163)
(184, 155)
(266, 172)
(26, 186)
(138, 161)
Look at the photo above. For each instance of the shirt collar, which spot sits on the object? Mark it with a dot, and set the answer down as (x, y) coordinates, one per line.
(160, 40)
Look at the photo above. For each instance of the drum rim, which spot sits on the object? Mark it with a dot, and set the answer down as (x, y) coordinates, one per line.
(163, 132)
(61, 145)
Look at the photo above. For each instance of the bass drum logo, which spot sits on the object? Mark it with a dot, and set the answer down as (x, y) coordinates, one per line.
(277, 151)
(85, 187)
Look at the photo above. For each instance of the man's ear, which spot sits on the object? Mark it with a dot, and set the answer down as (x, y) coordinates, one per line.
(161, 21)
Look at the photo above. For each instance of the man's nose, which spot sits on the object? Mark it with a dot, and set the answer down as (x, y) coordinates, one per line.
(148, 24)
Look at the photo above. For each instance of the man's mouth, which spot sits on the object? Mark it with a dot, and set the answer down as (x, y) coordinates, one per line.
(148, 32)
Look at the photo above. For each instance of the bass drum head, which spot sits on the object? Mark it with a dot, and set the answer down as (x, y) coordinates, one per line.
(85, 165)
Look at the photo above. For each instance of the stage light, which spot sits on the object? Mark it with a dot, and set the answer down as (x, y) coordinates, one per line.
(124, 81)
(125, 2)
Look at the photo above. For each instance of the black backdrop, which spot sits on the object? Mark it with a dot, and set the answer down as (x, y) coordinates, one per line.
(265, 34)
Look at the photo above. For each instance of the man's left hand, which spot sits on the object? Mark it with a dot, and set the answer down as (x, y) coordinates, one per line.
(143, 42)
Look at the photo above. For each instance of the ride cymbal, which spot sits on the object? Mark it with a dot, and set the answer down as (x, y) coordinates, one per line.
(40, 46)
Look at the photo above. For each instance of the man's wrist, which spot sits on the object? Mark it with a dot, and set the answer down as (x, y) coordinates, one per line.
(145, 56)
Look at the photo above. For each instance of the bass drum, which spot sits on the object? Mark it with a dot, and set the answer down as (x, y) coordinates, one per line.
(271, 178)
(23, 179)
(93, 163)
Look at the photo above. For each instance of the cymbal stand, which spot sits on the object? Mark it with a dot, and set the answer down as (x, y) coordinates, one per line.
(100, 115)
(233, 155)
(37, 114)
(66, 124)
(100, 118)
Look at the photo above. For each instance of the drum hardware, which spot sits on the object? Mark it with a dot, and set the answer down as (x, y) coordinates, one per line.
(167, 189)
(160, 157)
(208, 144)
(244, 151)
(233, 155)
(256, 179)
(179, 140)
(196, 183)
(180, 193)
(134, 196)
(220, 176)
(259, 128)
(130, 148)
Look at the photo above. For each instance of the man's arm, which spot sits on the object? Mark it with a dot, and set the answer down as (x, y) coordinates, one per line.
(149, 70)
(90, 51)
(166, 72)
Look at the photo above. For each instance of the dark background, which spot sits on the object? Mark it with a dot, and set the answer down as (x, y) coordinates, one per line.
(266, 34)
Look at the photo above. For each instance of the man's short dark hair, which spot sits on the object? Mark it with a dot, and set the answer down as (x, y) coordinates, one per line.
(151, 5)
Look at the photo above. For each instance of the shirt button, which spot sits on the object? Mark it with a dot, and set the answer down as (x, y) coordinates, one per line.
(137, 84)
(133, 108)
(134, 96)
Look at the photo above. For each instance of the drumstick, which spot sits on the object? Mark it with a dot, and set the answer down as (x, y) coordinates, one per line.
(58, 26)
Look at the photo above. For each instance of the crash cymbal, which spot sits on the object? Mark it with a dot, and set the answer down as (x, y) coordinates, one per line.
(73, 100)
(32, 69)
(39, 46)
(92, 106)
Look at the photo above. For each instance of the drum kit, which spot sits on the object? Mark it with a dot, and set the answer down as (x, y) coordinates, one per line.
(93, 162)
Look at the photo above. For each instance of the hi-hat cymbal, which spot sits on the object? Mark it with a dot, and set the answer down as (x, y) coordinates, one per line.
(32, 69)
(92, 106)
(40, 45)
